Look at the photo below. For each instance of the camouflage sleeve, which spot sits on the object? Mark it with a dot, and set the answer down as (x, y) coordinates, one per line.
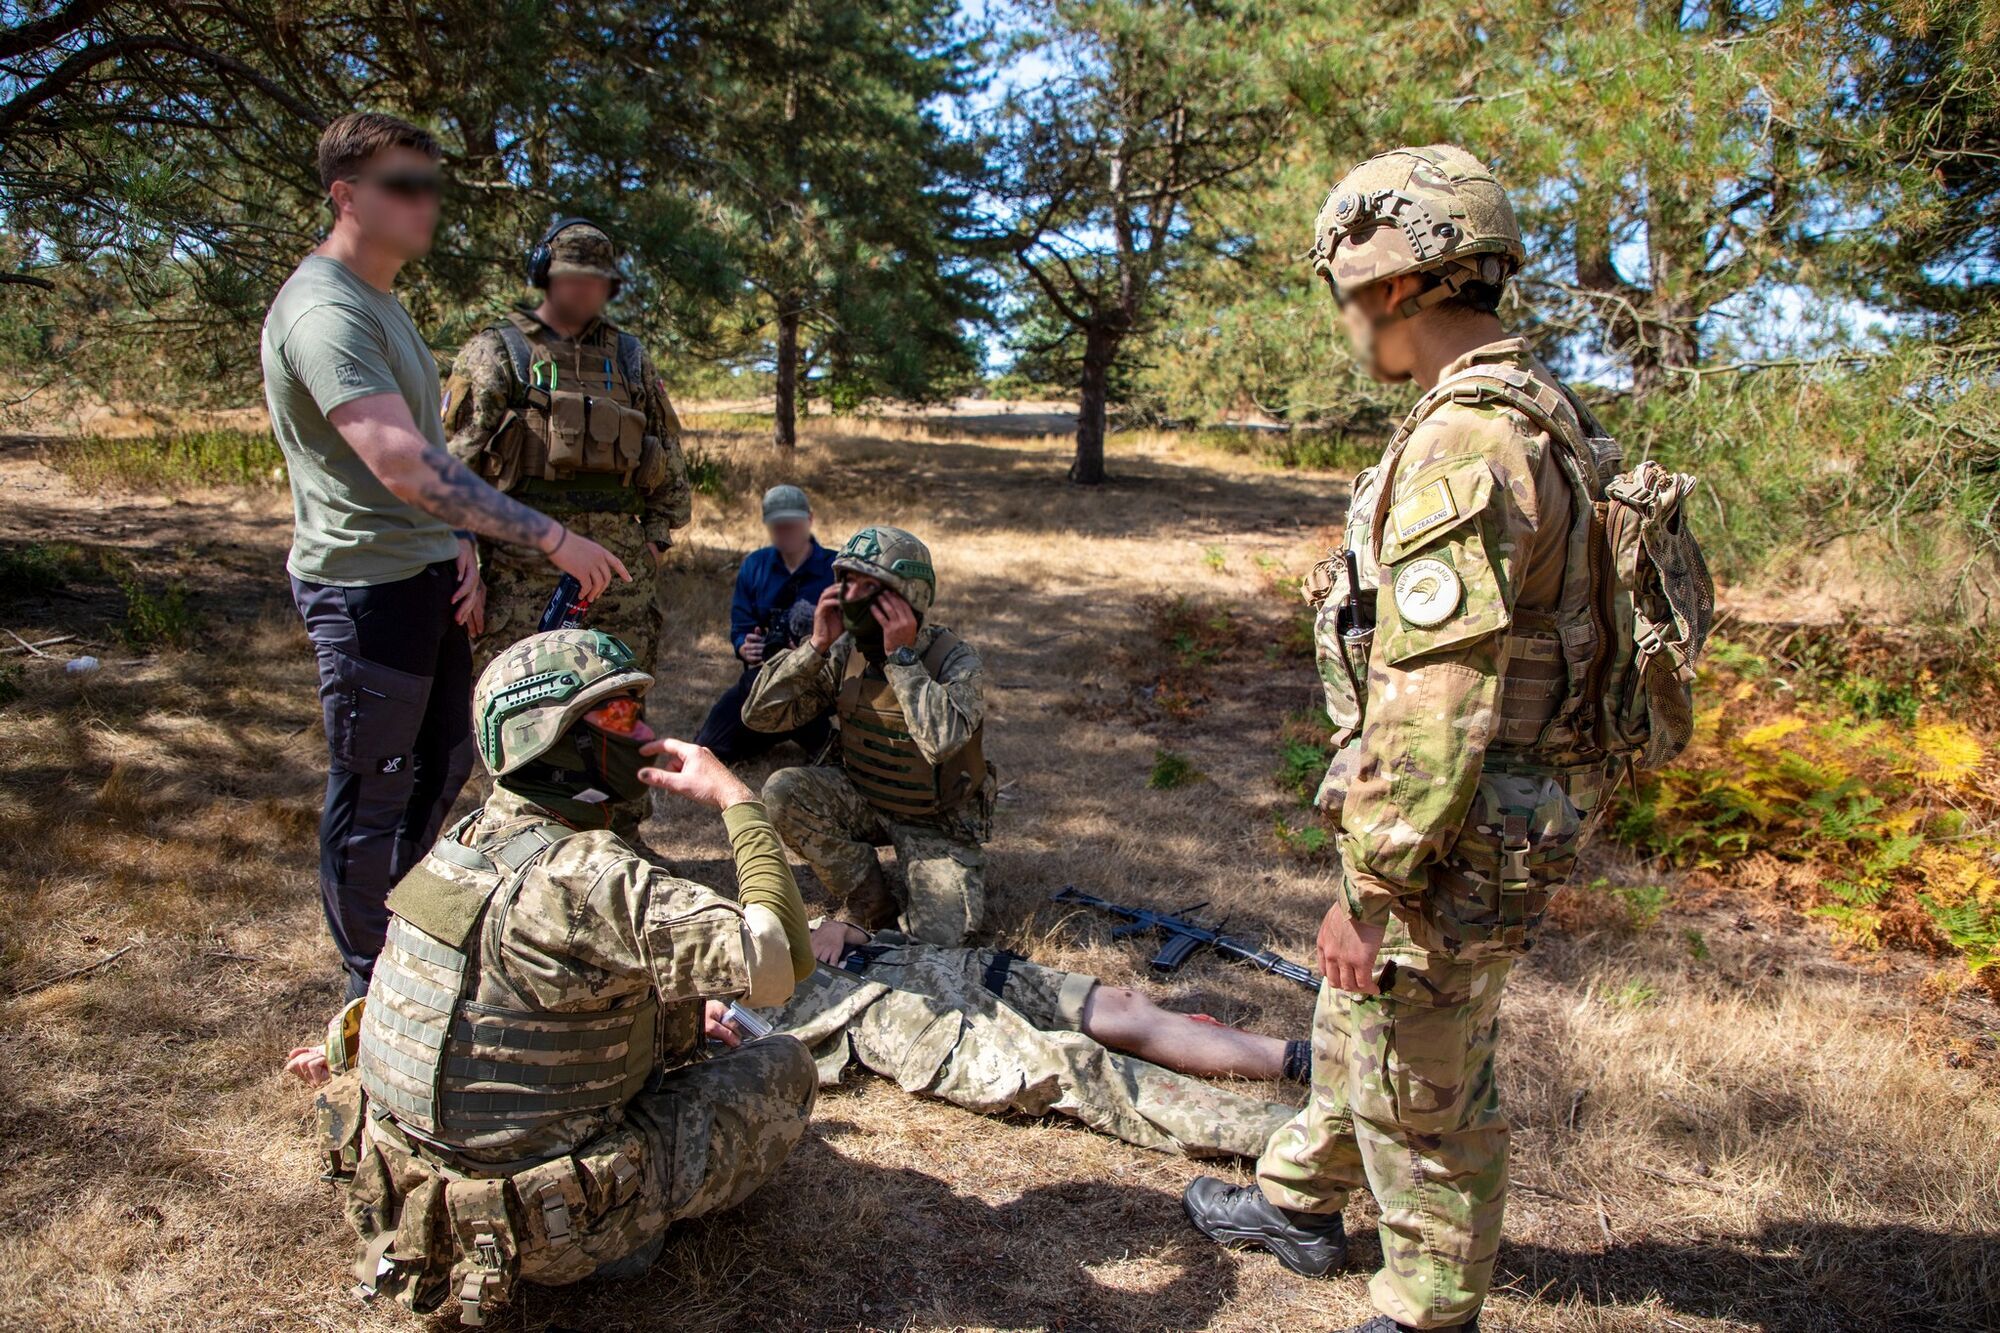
(670, 500)
(1456, 518)
(942, 713)
(475, 397)
(795, 687)
(592, 912)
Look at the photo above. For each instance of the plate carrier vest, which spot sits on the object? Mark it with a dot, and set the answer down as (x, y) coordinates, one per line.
(882, 758)
(575, 410)
(450, 1049)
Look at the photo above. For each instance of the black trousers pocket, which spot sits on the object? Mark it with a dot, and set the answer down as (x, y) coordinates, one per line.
(373, 712)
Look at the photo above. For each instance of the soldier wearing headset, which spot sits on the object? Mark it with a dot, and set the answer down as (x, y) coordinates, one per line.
(557, 406)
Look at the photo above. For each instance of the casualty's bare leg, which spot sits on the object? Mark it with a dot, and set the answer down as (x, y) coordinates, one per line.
(1126, 1020)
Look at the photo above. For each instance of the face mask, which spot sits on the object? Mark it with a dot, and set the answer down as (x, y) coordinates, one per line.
(859, 617)
(613, 762)
(582, 775)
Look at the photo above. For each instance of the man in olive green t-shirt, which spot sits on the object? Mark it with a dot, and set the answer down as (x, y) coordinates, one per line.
(386, 589)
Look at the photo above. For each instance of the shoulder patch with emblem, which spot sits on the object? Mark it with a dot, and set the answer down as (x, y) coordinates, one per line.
(1431, 507)
(1427, 592)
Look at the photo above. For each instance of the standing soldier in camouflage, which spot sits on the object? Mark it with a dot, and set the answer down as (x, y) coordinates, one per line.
(560, 408)
(1476, 719)
(910, 698)
(520, 1095)
(992, 1032)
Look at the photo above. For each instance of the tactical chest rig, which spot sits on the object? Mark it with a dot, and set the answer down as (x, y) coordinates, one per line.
(451, 1050)
(881, 756)
(577, 412)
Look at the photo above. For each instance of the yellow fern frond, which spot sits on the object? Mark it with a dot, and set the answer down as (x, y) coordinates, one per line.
(1956, 874)
(1772, 732)
(1946, 752)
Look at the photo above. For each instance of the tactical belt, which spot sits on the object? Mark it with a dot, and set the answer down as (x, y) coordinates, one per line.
(861, 957)
(1584, 782)
(585, 493)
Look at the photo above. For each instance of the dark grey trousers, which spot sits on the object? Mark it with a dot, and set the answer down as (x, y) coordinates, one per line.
(395, 688)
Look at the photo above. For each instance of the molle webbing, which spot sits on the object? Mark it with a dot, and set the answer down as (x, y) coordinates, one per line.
(581, 404)
(881, 757)
(447, 1066)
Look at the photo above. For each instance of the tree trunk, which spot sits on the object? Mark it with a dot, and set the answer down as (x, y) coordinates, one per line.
(785, 423)
(1100, 345)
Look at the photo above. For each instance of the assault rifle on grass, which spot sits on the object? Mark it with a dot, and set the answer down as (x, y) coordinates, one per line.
(1184, 937)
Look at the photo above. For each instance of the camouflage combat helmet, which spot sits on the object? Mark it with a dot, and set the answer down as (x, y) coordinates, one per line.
(1417, 210)
(585, 249)
(894, 557)
(536, 690)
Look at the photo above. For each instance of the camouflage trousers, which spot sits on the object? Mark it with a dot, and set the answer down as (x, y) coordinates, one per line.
(930, 1019)
(519, 580)
(702, 1138)
(1404, 1105)
(826, 820)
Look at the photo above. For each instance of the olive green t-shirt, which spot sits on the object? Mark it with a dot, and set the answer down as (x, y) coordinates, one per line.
(329, 339)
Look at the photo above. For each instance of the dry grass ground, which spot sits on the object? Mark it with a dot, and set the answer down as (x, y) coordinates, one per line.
(1719, 1130)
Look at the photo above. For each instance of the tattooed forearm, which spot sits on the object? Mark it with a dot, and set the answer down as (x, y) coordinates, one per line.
(448, 489)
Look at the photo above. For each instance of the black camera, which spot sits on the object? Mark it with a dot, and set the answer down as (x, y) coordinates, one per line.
(786, 627)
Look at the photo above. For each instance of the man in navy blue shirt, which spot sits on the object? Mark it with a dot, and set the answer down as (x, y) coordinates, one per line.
(772, 609)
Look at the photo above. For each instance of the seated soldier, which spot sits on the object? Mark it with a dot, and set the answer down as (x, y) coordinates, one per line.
(992, 1032)
(524, 1098)
(911, 771)
(771, 610)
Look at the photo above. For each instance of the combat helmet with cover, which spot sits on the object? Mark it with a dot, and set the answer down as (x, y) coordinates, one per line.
(896, 559)
(529, 696)
(1434, 210)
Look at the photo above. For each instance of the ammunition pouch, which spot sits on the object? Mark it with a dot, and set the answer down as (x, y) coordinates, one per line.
(1516, 850)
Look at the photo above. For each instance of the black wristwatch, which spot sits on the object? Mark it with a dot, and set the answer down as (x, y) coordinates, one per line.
(904, 656)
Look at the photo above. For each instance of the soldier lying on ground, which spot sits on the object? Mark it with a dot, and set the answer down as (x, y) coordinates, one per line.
(525, 1101)
(991, 1032)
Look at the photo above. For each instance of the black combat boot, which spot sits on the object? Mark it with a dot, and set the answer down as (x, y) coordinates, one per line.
(1310, 1243)
(1382, 1323)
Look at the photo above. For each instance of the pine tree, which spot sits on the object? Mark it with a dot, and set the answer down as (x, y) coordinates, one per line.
(1112, 166)
(839, 191)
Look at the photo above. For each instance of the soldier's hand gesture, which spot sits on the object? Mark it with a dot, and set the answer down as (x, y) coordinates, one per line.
(694, 772)
(898, 621)
(827, 624)
(590, 564)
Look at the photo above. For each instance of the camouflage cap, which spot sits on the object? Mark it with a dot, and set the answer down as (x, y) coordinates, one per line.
(535, 691)
(1416, 210)
(894, 557)
(584, 249)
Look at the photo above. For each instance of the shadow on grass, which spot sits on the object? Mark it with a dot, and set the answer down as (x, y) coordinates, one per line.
(1790, 1276)
(869, 1246)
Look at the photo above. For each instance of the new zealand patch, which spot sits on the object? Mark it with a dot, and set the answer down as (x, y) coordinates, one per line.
(1430, 507)
(1427, 592)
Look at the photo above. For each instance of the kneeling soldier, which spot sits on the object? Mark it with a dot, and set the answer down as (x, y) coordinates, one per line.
(911, 703)
(527, 1101)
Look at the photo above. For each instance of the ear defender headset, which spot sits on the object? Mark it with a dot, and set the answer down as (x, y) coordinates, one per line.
(539, 257)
